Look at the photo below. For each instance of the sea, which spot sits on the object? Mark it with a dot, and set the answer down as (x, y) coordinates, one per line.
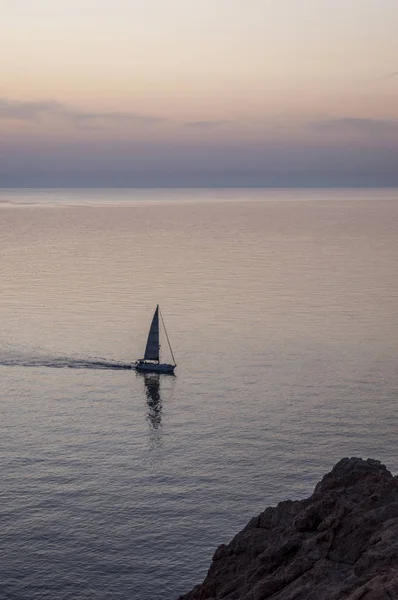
(281, 307)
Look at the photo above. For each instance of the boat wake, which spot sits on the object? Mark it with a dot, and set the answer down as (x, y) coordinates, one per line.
(62, 362)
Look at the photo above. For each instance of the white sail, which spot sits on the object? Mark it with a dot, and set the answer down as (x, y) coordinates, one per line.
(152, 345)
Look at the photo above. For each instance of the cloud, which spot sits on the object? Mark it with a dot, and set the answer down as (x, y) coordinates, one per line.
(371, 127)
(27, 111)
(390, 75)
(207, 124)
(38, 110)
(110, 117)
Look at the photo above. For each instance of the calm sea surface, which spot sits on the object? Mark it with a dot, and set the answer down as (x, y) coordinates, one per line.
(282, 310)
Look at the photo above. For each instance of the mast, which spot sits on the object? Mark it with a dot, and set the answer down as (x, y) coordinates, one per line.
(167, 337)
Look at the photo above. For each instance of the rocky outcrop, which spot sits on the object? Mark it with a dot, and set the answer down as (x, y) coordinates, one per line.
(341, 543)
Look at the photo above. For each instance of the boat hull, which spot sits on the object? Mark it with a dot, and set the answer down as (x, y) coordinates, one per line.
(154, 367)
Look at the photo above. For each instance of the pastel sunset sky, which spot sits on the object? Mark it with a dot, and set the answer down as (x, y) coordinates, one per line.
(198, 92)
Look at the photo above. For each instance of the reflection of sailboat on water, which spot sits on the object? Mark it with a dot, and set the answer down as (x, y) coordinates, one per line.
(151, 361)
(154, 401)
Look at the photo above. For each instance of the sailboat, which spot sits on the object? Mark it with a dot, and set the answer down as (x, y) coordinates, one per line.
(151, 361)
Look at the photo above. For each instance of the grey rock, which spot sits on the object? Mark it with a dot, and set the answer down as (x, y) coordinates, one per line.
(340, 543)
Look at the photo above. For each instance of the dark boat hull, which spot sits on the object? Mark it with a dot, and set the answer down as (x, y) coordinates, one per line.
(146, 367)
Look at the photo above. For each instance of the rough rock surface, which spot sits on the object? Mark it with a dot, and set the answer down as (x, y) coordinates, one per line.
(342, 542)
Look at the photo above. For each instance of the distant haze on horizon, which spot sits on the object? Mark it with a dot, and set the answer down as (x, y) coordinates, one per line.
(199, 93)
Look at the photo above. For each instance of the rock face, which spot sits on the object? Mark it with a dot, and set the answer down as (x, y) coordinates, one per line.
(341, 543)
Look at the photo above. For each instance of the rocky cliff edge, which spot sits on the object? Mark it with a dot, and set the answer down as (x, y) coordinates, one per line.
(341, 543)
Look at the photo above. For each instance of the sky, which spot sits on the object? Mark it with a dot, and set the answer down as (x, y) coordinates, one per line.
(198, 93)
